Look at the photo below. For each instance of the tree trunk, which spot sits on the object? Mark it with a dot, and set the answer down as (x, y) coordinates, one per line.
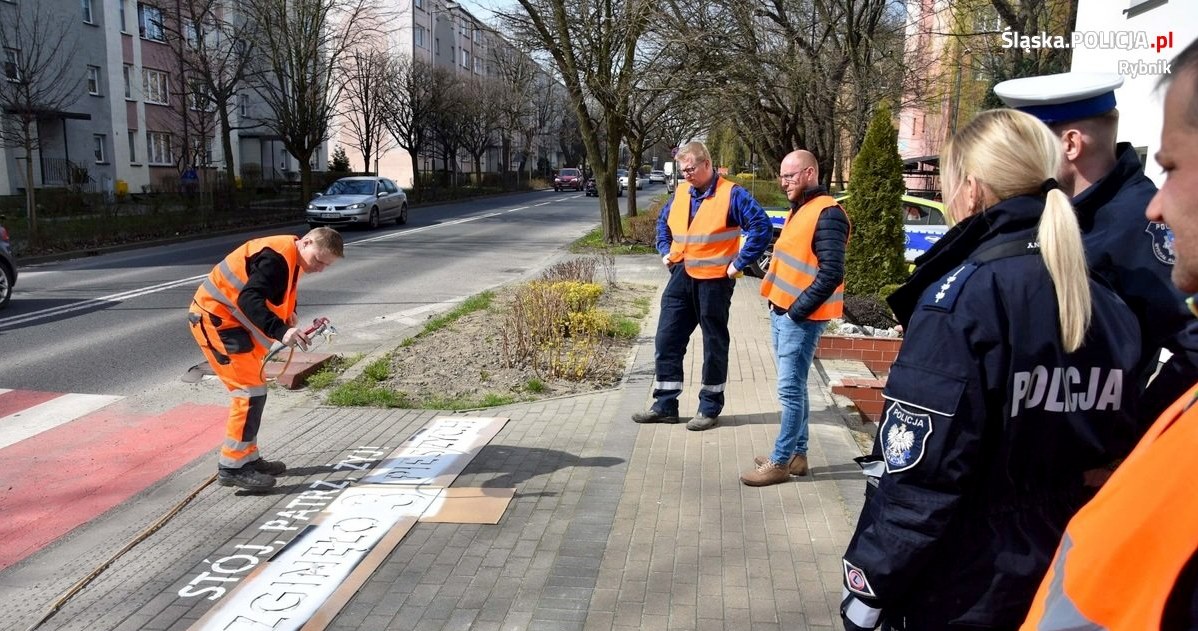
(226, 146)
(30, 201)
(416, 189)
(636, 148)
(305, 161)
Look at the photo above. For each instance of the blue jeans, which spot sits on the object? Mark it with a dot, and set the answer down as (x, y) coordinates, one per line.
(794, 348)
(686, 303)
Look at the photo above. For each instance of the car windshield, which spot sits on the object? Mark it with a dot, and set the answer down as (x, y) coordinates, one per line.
(351, 187)
(621, 172)
(570, 172)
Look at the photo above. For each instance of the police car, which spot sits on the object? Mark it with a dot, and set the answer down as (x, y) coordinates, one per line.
(923, 223)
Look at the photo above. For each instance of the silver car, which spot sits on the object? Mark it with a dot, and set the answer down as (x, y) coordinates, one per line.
(359, 201)
(8, 268)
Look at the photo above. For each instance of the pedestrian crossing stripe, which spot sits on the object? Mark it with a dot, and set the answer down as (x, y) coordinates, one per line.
(36, 412)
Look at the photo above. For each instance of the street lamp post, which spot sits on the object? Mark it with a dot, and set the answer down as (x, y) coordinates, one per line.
(957, 90)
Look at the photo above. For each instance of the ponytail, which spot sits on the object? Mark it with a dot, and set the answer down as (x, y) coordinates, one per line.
(1065, 257)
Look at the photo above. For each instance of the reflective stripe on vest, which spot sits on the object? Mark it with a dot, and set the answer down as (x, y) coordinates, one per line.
(794, 264)
(219, 292)
(1122, 553)
(705, 245)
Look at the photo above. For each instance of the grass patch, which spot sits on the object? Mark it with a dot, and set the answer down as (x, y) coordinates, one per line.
(626, 328)
(592, 242)
(477, 302)
(359, 393)
(328, 374)
(489, 400)
(534, 385)
(643, 304)
(379, 369)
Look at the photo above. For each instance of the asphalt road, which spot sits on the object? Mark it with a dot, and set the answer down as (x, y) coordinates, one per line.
(115, 323)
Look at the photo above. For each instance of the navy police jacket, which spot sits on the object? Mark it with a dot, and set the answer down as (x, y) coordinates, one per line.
(989, 428)
(1136, 257)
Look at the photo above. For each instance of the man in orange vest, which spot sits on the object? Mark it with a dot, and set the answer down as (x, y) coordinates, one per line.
(805, 289)
(1129, 558)
(247, 302)
(698, 235)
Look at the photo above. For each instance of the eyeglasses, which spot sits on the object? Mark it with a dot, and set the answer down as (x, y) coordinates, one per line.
(690, 170)
(791, 177)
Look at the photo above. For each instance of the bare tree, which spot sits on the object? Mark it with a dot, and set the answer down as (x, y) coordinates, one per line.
(215, 46)
(39, 79)
(364, 111)
(518, 76)
(593, 47)
(482, 116)
(413, 88)
(303, 46)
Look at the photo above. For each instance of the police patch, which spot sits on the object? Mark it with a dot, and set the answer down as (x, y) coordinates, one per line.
(903, 434)
(1162, 242)
(855, 581)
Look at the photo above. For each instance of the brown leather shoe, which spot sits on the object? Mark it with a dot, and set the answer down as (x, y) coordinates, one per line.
(797, 464)
(766, 474)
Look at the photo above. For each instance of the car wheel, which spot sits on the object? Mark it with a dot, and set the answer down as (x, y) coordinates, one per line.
(403, 215)
(374, 218)
(5, 285)
(759, 267)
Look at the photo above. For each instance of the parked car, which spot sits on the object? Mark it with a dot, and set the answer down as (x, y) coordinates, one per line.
(8, 268)
(658, 176)
(923, 225)
(670, 183)
(359, 201)
(624, 179)
(568, 179)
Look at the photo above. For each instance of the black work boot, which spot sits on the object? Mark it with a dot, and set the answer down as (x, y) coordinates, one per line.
(269, 467)
(655, 416)
(246, 478)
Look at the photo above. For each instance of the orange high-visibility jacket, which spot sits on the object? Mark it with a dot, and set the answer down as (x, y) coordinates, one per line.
(794, 264)
(1122, 553)
(706, 244)
(218, 293)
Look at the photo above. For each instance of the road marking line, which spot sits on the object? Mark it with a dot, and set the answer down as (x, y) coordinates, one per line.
(36, 419)
(135, 293)
(542, 204)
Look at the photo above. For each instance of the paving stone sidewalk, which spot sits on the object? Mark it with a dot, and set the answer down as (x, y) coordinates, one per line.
(614, 525)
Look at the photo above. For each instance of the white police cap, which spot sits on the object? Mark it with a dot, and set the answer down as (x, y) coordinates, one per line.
(1059, 98)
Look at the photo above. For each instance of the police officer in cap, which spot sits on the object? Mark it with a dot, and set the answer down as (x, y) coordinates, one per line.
(1110, 192)
(1011, 392)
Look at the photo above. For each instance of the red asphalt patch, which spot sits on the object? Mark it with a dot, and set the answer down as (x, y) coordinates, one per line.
(66, 476)
(15, 401)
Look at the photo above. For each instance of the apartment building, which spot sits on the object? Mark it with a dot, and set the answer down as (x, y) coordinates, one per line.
(131, 128)
(447, 35)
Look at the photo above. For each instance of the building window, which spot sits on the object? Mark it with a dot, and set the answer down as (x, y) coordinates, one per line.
(98, 147)
(93, 80)
(418, 36)
(12, 65)
(478, 35)
(419, 4)
(127, 73)
(243, 105)
(437, 45)
(87, 10)
(199, 99)
(478, 66)
(155, 86)
(133, 146)
(465, 59)
(149, 23)
(158, 147)
(124, 24)
(201, 151)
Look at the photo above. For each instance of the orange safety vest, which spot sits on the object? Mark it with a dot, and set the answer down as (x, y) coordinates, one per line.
(1122, 553)
(706, 244)
(218, 293)
(794, 264)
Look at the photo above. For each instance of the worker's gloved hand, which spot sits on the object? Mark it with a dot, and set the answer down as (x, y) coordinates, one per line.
(732, 272)
(296, 337)
(665, 260)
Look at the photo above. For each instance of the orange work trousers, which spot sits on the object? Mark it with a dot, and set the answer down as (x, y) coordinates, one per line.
(237, 361)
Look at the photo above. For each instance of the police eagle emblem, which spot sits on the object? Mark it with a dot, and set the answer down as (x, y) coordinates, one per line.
(903, 435)
(1162, 242)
